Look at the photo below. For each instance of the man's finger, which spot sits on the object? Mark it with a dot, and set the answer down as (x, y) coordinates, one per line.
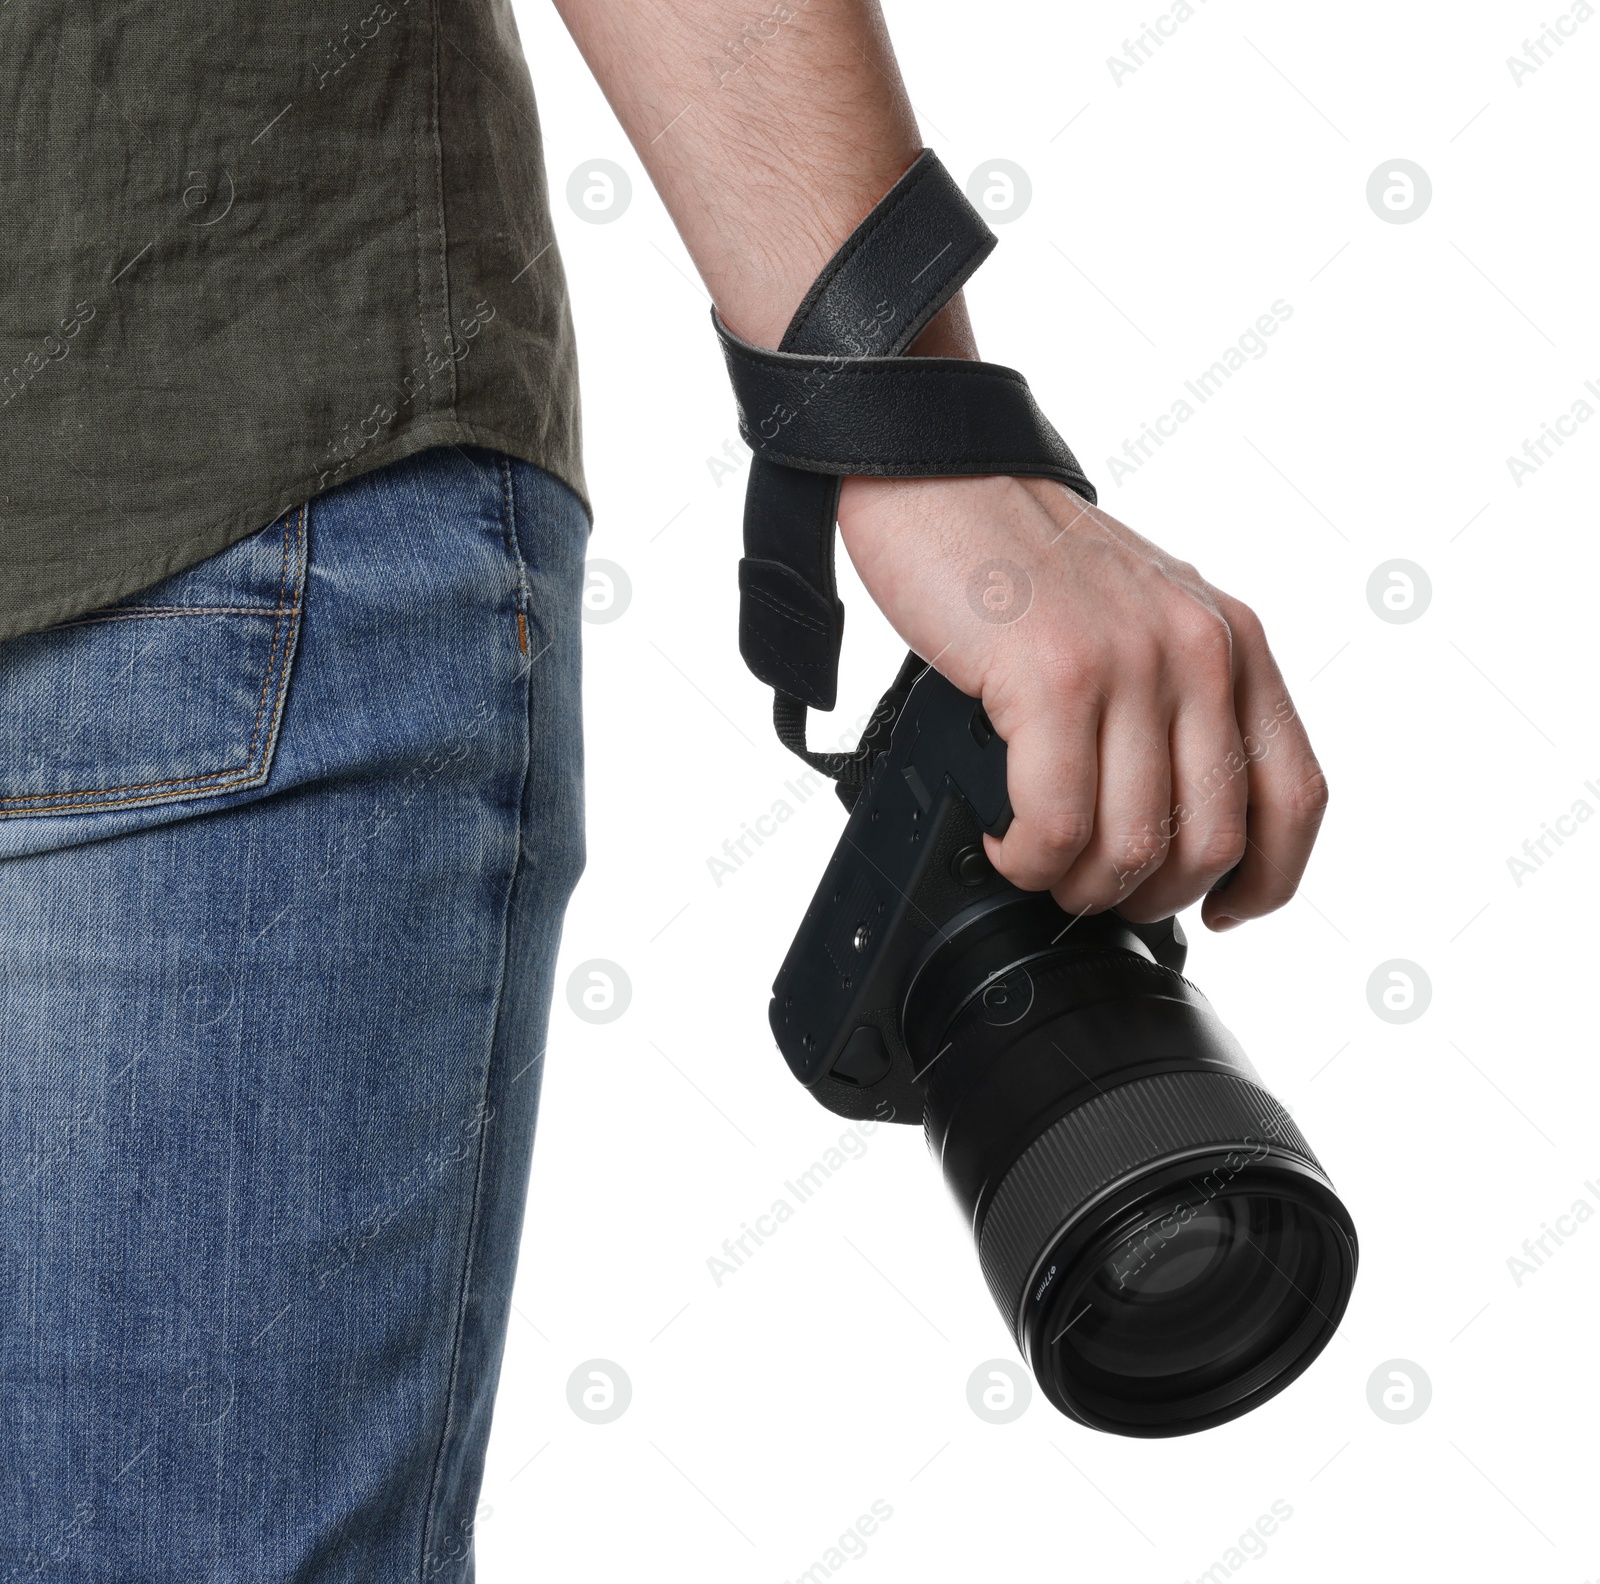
(1207, 824)
(1051, 776)
(1130, 838)
(1288, 794)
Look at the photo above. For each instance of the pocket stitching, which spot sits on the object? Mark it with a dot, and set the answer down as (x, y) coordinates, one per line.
(247, 773)
(142, 612)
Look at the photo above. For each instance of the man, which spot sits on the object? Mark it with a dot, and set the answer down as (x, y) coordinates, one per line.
(292, 531)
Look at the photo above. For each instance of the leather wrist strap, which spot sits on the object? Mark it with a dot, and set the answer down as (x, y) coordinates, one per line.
(838, 398)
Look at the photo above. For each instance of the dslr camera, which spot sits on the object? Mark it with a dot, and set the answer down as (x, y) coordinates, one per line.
(1156, 1231)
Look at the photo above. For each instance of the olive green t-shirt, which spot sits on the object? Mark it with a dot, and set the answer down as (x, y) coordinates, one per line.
(248, 250)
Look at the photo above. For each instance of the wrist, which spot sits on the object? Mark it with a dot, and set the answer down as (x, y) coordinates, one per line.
(948, 333)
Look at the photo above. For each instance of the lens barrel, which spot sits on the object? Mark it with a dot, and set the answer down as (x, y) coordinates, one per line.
(1163, 1242)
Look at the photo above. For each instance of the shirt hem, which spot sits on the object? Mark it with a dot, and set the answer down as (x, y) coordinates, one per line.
(434, 430)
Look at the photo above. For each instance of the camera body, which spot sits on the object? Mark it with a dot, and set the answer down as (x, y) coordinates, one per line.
(1158, 1234)
(908, 879)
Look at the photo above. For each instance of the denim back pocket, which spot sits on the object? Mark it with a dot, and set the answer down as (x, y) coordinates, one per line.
(174, 693)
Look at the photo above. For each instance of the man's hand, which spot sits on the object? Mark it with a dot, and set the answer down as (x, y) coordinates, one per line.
(1151, 742)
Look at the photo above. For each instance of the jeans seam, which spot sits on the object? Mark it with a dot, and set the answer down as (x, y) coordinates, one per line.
(464, 1285)
(514, 549)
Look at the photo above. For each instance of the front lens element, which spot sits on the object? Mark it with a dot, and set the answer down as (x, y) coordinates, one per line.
(1152, 1223)
(1194, 1311)
(1179, 1317)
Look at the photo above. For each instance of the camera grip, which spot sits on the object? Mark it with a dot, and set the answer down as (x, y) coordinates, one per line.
(955, 739)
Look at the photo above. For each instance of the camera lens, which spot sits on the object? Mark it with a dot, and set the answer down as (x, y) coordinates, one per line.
(1163, 1241)
(1194, 1309)
(1170, 1253)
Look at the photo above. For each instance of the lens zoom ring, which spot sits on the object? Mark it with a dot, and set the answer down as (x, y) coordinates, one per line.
(1105, 1139)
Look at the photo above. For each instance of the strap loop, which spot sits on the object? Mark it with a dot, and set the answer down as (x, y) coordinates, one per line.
(893, 417)
(839, 398)
(850, 771)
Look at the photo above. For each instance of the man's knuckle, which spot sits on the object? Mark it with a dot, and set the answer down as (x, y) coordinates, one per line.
(1106, 885)
(1306, 800)
(1203, 638)
(1062, 834)
(1219, 848)
(1025, 875)
(1276, 893)
(1138, 842)
(1245, 624)
(1083, 897)
(1065, 676)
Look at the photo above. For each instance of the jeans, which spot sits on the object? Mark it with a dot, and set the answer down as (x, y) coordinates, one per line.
(285, 844)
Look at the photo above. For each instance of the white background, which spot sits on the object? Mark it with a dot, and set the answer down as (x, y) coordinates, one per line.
(831, 1371)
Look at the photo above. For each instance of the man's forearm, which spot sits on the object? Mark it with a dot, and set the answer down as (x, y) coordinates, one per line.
(770, 130)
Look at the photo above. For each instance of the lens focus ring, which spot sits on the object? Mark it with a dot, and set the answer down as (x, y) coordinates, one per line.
(1133, 1126)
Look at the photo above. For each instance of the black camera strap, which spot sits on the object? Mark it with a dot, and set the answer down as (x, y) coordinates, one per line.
(839, 397)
